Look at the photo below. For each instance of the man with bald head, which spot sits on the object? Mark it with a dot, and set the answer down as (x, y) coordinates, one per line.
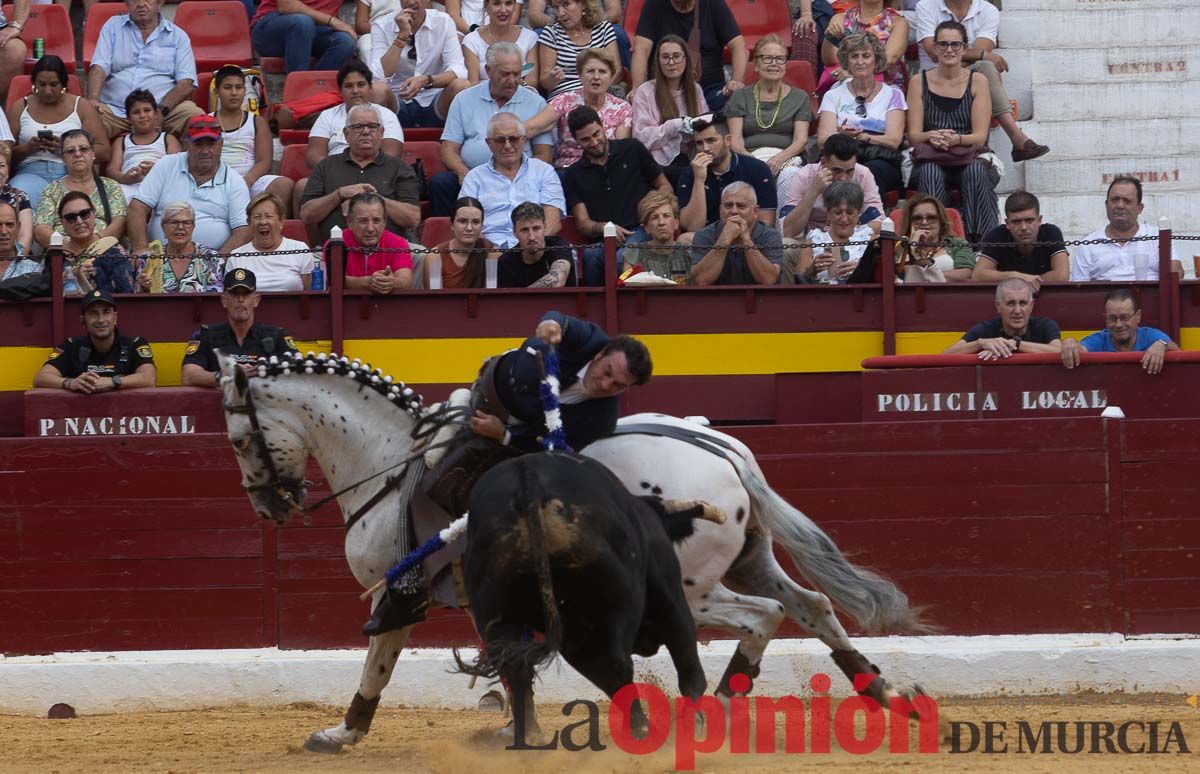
(464, 140)
(737, 248)
(511, 178)
(362, 168)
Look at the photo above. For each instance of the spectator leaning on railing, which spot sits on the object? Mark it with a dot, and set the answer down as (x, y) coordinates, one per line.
(659, 251)
(1123, 332)
(1015, 330)
(1119, 259)
(239, 336)
(1024, 247)
(102, 360)
(94, 261)
(142, 50)
(737, 249)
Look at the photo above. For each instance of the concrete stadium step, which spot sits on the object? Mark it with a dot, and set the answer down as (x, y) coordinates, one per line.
(1089, 139)
(1117, 101)
(1091, 29)
(1076, 7)
(1117, 64)
(1080, 214)
(1166, 173)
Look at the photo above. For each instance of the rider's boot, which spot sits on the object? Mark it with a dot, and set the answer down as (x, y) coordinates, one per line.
(397, 609)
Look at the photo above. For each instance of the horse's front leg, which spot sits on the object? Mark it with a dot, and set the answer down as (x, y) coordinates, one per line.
(382, 655)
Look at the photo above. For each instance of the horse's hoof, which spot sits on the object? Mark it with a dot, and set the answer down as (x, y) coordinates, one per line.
(492, 701)
(320, 743)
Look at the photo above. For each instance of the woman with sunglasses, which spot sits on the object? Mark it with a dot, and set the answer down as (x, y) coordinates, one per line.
(503, 24)
(868, 110)
(875, 18)
(663, 107)
(179, 265)
(950, 112)
(92, 260)
(38, 122)
(770, 120)
(79, 154)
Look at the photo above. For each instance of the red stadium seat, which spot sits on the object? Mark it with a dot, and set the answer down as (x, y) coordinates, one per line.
(272, 64)
(759, 18)
(219, 32)
(302, 84)
(294, 229)
(422, 134)
(956, 222)
(293, 164)
(52, 24)
(570, 233)
(430, 154)
(434, 231)
(97, 15)
(20, 86)
(201, 95)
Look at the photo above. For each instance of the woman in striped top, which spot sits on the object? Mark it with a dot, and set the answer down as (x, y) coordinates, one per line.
(949, 107)
(579, 24)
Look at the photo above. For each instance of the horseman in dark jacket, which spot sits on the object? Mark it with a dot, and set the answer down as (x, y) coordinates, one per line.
(510, 419)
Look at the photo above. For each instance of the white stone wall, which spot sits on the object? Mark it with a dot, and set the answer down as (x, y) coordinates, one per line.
(1113, 86)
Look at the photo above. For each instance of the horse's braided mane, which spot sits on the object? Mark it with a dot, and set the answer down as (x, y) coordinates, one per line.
(355, 370)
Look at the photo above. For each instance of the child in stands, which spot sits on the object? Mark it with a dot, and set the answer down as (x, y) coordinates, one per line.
(134, 154)
(247, 146)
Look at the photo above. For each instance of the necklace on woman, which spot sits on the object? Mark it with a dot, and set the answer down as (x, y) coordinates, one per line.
(758, 106)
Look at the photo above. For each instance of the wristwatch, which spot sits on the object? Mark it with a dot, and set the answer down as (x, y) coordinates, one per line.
(1017, 345)
(116, 380)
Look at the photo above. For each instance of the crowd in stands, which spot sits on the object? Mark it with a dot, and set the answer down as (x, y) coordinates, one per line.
(762, 171)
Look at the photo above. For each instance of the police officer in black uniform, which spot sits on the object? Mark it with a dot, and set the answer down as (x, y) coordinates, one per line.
(240, 336)
(102, 360)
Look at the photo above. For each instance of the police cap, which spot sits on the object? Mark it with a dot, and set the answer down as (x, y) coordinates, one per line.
(240, 278)
(98, 296)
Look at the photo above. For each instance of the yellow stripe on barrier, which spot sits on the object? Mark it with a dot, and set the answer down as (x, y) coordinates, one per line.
(694, 354)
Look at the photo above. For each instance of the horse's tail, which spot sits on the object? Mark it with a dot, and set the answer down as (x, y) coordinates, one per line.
(507, 657)
(874, 602)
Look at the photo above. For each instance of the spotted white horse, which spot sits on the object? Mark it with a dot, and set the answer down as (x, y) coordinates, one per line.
(356, 423)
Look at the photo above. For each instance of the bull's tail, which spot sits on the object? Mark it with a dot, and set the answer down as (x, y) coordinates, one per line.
(506, 657)
(874, 602)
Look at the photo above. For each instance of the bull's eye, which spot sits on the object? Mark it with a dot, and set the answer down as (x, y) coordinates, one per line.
(243, 443)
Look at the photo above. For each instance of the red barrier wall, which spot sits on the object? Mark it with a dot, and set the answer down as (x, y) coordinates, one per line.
(999, 527)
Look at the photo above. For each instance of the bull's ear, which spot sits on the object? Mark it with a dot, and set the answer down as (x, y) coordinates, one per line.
(232, 374)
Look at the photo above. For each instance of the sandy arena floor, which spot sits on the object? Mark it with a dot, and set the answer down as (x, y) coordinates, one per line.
(406, 740)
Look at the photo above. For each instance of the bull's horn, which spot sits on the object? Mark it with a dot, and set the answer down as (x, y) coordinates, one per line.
(707, 511)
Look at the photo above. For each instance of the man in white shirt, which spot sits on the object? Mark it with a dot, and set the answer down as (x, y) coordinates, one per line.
(511, 178)
(981, 20)
(1121, 260)
(419, 55)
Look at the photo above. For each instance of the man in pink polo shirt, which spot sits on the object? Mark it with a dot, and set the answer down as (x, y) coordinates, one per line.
(801, 205)
(371, 263)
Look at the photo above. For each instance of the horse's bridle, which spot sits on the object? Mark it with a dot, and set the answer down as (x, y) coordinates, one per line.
(286, 488)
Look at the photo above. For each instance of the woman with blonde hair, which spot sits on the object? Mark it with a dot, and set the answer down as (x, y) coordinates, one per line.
(867, 110)
(932, 253)
(661, 251)
(663, 108)
(578, 24)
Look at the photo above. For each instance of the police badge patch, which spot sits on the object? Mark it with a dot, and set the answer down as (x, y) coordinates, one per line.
(192, 346)
(55, 353)
(144, 351)
(289, 341)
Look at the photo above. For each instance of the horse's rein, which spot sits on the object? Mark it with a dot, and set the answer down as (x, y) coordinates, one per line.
(422, 430)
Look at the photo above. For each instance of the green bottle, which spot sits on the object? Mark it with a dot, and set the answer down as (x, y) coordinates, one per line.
(39, 48)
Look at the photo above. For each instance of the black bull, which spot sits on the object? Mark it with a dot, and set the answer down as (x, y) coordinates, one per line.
(556, 544)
